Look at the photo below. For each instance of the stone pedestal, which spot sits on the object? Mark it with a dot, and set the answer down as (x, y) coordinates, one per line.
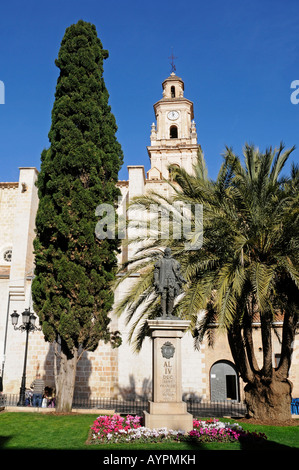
(167, 408)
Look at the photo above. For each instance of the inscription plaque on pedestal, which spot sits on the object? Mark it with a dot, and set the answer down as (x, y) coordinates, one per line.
(168, 379)
(167, 408)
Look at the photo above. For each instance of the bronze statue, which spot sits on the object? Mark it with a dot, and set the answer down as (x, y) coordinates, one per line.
(168, 281)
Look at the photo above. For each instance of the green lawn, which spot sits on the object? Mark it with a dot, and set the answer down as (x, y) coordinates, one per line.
(40, 431)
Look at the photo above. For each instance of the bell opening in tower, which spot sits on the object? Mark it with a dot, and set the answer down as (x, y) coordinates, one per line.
(173, 132)
(173, 92)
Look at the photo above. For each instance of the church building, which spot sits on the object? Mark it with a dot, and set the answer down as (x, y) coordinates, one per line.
(208, 373)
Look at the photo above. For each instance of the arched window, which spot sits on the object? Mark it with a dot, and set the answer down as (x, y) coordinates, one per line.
(173, 92)
(173, 132)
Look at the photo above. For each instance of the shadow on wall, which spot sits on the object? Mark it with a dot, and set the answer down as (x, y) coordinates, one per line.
(192, 397)
(49, 376)
(84, 370)
(130, 392)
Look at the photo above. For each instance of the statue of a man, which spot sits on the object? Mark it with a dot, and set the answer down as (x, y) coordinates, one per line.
(168, 281)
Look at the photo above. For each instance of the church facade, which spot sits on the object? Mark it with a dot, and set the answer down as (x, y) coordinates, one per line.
(207, 373)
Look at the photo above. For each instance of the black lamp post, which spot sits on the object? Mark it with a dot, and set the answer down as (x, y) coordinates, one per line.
(28, 324)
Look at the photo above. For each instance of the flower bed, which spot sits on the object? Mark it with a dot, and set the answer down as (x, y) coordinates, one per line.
(112, 429)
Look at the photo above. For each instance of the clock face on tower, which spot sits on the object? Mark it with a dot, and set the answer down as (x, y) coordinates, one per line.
(173, 115)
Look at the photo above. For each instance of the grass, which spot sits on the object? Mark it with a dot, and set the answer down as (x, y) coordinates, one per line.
(38, 431)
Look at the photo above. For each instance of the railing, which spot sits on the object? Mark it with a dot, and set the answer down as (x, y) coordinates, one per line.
(200, 408)
(2, 401)
(10, 399)
(214, 409)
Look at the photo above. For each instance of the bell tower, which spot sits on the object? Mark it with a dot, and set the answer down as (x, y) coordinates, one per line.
(173, 137)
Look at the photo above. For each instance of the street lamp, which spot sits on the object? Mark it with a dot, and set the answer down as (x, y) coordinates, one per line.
(28, 324)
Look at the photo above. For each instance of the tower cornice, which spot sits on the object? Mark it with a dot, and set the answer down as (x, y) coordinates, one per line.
(173, 102)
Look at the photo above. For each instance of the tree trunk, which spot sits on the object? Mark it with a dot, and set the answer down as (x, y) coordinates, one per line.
(66, 382)
(269, 400)
(57, 355)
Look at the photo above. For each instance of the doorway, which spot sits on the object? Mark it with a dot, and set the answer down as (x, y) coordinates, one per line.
(224, 381)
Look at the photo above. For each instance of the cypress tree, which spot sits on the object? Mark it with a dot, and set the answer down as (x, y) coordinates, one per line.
(78, 172)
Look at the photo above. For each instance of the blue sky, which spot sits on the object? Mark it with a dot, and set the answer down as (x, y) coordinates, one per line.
(237, 59)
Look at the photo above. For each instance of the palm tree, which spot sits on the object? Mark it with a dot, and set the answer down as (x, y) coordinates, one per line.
(246, 270)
